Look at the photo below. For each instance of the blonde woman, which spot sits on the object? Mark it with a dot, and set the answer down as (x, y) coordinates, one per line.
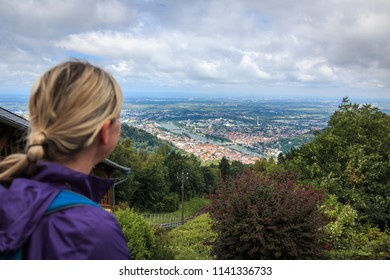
(74, 124)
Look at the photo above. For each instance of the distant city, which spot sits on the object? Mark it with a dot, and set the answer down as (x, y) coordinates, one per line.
(241, 129)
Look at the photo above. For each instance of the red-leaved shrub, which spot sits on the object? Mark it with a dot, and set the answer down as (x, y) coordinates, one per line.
(267, 217)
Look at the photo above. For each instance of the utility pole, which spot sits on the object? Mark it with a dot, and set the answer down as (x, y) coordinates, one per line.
(183, 177)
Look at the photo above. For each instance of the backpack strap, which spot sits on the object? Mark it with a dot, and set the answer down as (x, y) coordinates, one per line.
(13, 255)
(67, 199)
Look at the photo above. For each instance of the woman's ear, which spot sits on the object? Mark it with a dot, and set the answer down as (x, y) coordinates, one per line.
(104, 132)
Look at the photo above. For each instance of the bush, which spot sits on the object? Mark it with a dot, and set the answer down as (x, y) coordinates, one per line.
(267, 218)
(138, 232)
(348, 240)
(193, 240)
(377, 244)
(341, 232)
(162, 251)
(170, 203)
(369, 244)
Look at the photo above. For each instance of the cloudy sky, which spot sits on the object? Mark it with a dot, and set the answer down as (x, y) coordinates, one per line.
(278, 47)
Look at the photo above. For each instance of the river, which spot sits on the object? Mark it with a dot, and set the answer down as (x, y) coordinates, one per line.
(175, 129)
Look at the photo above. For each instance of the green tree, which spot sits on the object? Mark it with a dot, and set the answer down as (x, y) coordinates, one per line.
(224, 167)
(143, 140)
(153, 182)
(237, 168)
(263, 165)
(210, 175)
(351, 159)
(125, 155)
(191, 167)
(148, 181)
(176, 165)
(195, 185)
(281, 158)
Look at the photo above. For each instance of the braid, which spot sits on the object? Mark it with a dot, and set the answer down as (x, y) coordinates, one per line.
(59, 126)
(35, 150)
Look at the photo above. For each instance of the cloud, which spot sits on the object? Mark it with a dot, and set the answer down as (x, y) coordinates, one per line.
(112, 44)
(52, 19)
(248, 64)
(213, 44)
(326, 71)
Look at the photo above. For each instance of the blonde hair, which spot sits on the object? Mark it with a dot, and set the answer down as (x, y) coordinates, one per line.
(67, 108)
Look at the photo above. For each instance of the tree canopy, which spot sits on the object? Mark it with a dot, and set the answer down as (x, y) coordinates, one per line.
(154, 176)
(350, 158)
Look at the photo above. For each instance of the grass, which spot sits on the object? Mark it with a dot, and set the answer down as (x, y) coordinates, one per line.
(192, 206)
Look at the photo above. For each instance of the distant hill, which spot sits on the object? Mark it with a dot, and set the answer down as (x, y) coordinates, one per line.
(142, 140)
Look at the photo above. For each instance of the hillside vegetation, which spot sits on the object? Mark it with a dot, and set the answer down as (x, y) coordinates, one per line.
(351, 159)
(328, 199)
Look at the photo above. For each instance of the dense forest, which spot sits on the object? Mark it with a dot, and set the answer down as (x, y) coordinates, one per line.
(328, 199)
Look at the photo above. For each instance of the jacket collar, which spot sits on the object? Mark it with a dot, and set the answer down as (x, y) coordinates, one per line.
(62, 177)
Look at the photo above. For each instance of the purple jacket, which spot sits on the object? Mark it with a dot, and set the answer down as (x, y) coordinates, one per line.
(81, 232)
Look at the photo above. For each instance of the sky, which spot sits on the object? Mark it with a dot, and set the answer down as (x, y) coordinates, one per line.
(212, 47)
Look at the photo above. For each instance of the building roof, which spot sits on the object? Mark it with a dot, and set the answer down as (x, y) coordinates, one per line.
(21, 123)
(123, 169)
(13, 120)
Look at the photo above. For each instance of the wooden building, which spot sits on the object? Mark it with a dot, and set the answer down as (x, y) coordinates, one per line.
(13, 131)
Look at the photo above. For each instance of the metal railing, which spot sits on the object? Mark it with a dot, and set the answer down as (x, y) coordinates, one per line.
(163, 220)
